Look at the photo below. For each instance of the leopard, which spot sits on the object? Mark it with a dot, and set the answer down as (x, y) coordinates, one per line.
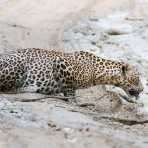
(52, 72)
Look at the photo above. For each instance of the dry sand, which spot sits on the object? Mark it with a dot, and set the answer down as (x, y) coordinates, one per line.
(40, 23)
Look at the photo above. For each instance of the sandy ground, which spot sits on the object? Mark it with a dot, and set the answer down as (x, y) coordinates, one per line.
(41, 23)
(111, 29)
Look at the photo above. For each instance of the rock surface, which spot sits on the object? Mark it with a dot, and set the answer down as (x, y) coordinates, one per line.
(56, 123)
(98, 116)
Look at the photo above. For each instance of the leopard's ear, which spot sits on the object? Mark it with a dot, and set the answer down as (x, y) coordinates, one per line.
(124, 69)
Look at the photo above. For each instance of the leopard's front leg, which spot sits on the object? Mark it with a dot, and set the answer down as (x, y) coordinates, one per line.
(71, 94)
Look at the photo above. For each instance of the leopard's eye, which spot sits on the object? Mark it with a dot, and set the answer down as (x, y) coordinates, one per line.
(136, 81)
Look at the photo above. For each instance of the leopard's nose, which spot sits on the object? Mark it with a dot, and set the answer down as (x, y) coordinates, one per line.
(134, 92)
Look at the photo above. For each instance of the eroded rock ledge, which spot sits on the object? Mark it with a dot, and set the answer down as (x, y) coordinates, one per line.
(96, 118)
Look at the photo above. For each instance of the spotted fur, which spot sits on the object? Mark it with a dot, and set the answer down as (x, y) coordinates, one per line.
(51, 72)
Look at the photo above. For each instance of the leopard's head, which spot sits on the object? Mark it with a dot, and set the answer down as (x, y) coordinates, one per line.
(130, 80)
